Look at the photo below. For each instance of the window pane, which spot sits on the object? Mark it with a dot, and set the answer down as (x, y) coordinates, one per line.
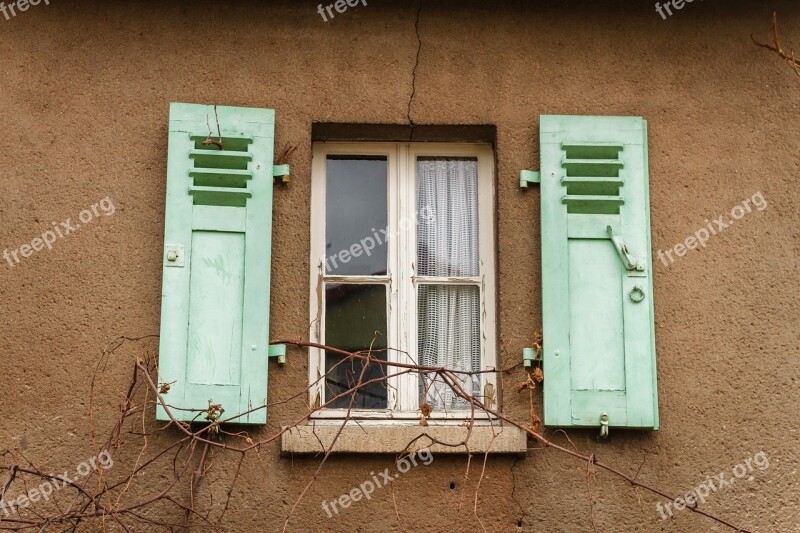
(447, 230)
(355, 318)
(449, 335)
(355, 214)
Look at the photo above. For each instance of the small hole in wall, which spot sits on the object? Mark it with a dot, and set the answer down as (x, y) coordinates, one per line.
(519, 524)
(452, 485)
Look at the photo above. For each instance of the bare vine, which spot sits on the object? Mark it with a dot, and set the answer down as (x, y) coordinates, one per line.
(98, 500)
(777, 48)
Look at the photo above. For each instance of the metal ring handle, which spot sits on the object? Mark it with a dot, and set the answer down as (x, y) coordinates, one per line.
(636, 294)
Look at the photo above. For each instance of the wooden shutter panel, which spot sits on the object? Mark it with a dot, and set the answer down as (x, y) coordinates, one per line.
(216, 274)
(599, 342)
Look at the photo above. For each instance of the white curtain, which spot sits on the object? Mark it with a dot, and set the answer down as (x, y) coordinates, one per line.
(447, 246)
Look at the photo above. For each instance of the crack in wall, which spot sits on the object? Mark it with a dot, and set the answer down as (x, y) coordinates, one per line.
(414, 71)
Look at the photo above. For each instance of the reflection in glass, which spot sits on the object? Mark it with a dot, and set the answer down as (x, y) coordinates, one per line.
(355, 319)
(355, 214)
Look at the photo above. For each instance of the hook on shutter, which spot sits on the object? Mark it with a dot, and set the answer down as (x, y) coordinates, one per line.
(630, 262)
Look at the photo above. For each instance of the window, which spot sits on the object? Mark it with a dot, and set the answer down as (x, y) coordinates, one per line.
(402, 264)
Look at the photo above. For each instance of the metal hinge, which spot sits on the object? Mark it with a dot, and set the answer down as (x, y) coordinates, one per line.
(278, 351)
(529, 177)
(283, 172)
(529, 356)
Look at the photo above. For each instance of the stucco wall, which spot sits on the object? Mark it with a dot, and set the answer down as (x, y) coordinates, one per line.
(84, 94)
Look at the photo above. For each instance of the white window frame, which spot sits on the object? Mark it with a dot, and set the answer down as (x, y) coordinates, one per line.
(402, 278)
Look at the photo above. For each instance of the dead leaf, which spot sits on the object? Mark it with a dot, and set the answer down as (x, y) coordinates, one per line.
(426, 409)
(528, 384)
(215, 411)
(536, 423)
(538, 338)
(165, 388)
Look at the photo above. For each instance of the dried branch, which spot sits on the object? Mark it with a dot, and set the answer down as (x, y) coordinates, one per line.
(209, 141)
(128, 504)
(589, 459)
(285, 154)
(777, 48)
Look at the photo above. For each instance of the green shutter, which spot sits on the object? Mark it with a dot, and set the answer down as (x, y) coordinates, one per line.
(597, 285)
(217, 251)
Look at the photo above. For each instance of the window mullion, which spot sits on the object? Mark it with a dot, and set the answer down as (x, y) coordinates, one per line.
(409, 187)
(405, 295)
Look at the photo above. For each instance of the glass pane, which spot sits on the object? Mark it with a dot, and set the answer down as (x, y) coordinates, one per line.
(447, 230)
(355, 318)
(355, 214)
(449, 334)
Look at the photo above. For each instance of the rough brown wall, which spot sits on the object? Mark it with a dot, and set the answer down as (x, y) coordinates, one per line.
(84, 102)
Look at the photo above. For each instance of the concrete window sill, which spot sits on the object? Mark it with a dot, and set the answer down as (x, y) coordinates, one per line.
(392, 439)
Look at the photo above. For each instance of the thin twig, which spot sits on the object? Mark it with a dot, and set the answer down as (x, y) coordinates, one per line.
(777, 48)
(111, 502)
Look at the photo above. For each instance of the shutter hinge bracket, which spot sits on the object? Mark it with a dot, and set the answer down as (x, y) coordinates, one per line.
(283, 172)
(278, 351)
(529, 177)
(529, 356)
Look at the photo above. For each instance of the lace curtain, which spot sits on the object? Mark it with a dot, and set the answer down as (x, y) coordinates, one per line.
(447, 246)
